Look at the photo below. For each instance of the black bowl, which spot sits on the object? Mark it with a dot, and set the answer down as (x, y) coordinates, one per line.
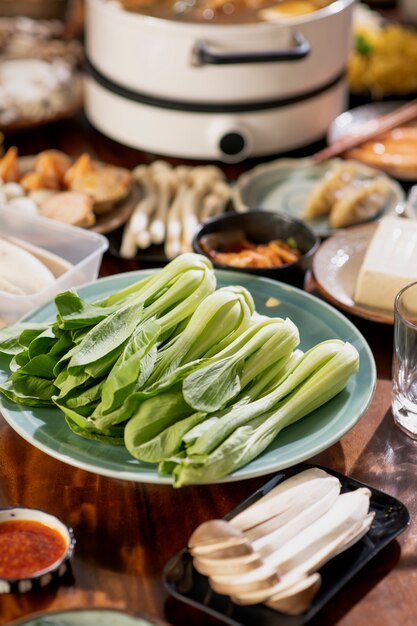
(259, 227)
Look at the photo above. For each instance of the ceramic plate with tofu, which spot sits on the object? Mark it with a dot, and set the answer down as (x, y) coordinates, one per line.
(361, 269)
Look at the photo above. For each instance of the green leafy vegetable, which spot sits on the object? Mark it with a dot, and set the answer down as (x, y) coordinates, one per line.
(183, 375)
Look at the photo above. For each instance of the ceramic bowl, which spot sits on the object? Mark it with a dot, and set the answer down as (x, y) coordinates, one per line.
(259, 227)
(284, 185)
(46, 575)
(87, 617)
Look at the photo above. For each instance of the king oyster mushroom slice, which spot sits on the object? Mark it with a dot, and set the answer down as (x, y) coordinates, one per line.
(235, 559)
(361, 532)
(350, 509)
(323, 537)
(299, 598)
(272, 511)
(215, 535)
(301, 519)
(288, 583)
(240, 564)
(259, 579)
(284, 587)
(284, 501)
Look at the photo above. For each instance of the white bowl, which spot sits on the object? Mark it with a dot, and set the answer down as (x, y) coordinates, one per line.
(56, 570)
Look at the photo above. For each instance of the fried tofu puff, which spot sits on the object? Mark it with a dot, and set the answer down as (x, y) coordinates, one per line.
(107, 185)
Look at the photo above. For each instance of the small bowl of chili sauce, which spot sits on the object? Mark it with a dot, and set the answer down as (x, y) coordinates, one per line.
(263, 243)
(35, 548)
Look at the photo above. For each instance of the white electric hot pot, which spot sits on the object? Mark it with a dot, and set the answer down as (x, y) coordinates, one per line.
(210, 91)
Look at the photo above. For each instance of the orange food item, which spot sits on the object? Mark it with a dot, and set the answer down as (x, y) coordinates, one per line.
(52, 164)
(9, 166)
(396, 149)
(247, 254)
(28, 547)
(82, 166)
(35, 180)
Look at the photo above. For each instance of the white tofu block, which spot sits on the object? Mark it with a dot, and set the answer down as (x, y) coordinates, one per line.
(390, 263)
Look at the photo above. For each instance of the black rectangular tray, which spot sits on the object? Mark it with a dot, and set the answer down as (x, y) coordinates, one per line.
(187, 585)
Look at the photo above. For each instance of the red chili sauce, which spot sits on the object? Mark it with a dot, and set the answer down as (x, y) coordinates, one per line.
(28, 547)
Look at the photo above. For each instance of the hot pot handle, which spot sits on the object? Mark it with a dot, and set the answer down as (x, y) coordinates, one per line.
(203, 54)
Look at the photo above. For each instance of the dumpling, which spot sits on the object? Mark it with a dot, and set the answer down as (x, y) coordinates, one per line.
(360, 204)
(325, 193)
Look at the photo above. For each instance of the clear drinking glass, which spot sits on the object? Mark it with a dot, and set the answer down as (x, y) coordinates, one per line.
(404, 370)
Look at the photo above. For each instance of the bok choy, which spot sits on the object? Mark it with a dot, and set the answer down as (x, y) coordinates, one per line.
(182, 374)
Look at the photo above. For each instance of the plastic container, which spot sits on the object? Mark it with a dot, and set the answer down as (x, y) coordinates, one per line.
(81, 251)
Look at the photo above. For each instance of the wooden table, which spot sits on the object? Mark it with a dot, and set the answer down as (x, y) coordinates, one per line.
(126, 532)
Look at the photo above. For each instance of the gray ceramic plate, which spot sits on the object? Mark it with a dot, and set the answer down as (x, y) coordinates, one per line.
(86, 617)
(47, 430)
(284, 185)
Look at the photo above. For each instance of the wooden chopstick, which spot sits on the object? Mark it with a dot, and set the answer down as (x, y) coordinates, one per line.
(376, 127)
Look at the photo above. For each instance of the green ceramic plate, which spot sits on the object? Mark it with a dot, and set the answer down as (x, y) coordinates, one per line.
(284, 185)
(85, 617)
(47, 430)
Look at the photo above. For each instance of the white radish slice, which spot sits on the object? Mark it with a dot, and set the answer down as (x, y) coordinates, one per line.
(8, 287)
(56, 264)
(22, 270)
